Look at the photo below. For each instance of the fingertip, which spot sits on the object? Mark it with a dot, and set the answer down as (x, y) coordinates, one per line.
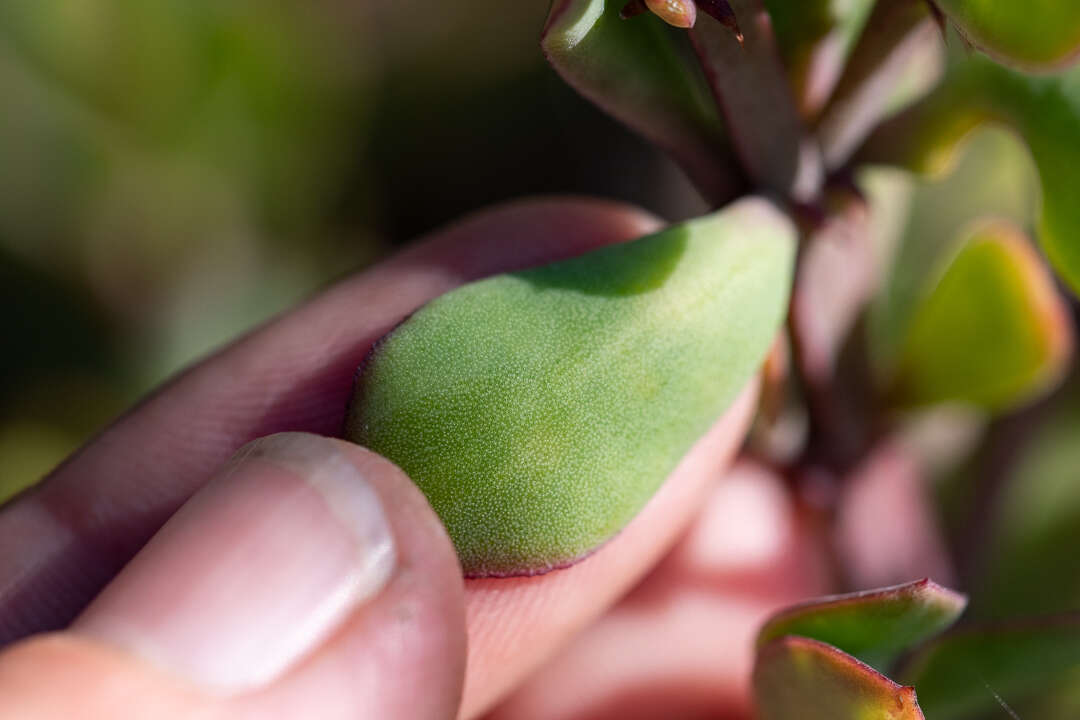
(61, 675)
(403, 654)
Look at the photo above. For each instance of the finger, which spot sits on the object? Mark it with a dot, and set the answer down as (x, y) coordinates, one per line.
(76, 530)
(681, 644)
(516, 624)
(308, 579)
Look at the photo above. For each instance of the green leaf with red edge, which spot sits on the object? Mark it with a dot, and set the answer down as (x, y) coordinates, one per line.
(643, 73)
(992, 332)
(875, 626)
(1035, 35)
(1045, 111)
(796, 678)
(970, 671)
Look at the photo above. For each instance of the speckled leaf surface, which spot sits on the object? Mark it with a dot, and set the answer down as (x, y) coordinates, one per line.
(969, 672)
(1045, 111)
(796, 678)
(540, 410)
(875, 626)
(1033, 34)
(641, 71)
(993, 332)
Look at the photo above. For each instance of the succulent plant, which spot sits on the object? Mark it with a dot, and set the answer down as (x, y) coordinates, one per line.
(558, 371)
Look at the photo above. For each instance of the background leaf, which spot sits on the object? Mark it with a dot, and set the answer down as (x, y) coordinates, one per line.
(748, 82)
(640, 71)
(796, 678)
(1034, 34)
(992, 332)
(815, 38)
(1045, 111)
(875, 626)
(958, 675)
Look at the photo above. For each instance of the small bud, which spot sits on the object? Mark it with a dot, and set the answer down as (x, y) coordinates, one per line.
(680, 13)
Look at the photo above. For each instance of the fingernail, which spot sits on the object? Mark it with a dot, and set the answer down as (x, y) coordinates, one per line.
(256, 570)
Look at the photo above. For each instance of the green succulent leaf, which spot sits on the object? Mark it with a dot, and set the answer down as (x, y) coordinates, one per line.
(642, 72)
(796, 678)
(993, 332)
(971, 671)
(1032, 35)
(1045, 111)
(540, 410)
(815, 38)
(875, 626)
(994, 177)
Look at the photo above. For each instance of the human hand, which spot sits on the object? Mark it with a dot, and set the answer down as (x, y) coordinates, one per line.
(306, 577)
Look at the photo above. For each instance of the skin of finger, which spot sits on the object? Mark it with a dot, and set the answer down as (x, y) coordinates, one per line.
(514, 625)
(369, 663)
(80, 526)
(399, 657)
(50, 677)
(681, 644)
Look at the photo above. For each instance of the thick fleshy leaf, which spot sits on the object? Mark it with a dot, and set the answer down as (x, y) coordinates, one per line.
(898, 59)
(540, 410)
(993, 332)
(1032, 35)
(971, 671)
(815, 38)
(875, 626)
(640, 71)
(1045, 111)
(797, 678)
(747, 79)
(994, 177)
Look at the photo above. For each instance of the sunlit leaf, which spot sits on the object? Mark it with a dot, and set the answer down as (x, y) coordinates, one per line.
(796, 678)
(1045, 111)
(876, 625)
(992, 332)
(1034, 34)
(994, 177)
(971, 671)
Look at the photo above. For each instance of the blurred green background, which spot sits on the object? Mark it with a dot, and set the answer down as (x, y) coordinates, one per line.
(172, 172)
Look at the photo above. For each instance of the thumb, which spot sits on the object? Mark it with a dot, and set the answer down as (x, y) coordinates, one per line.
(308, 579)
